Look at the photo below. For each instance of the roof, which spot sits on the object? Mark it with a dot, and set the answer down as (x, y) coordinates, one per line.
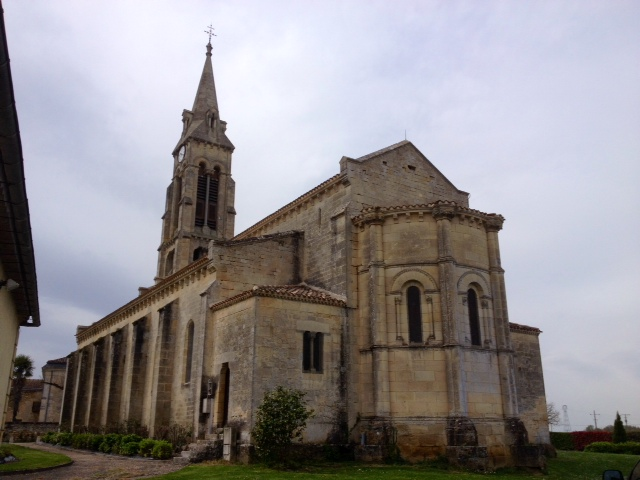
(16, 243)
(33, 385)
(148, 294)
(299, 293)
(515, 327)
(57, 361)
(289, 206)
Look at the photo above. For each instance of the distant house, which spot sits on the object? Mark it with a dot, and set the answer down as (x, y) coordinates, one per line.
(42, 398)
(18, 285)
(29, 409)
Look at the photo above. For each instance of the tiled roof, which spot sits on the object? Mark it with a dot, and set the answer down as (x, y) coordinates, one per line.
(57, 361)
(248, 232)
(515, 327)
(33, 385)
(300, 293)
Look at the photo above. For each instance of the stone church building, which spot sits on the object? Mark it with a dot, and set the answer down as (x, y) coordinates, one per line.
(379, 292)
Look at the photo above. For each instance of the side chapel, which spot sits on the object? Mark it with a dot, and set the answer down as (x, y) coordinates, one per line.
(380, 293)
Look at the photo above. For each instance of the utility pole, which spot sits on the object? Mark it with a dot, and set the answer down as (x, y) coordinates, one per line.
(595, 420)
(625, 415)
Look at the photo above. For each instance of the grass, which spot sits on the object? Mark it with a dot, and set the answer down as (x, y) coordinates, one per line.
(31, 459)
(568, 466)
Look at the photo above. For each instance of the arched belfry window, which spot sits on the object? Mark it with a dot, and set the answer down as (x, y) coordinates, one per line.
(414, 314)
(474, 316)
(207, 198)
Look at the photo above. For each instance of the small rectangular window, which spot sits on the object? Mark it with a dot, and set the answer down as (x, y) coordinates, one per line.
(312, 352)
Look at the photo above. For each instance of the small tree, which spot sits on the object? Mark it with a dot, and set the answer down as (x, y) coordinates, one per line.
(22, 369)
(553, 415)
(619, 433)
(281, 418)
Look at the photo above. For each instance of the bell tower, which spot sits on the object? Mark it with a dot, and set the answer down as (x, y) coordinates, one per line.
(200, 199)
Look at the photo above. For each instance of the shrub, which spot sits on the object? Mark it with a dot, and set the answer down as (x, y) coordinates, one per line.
(48, 437)
(64, 438)
(626, 448)
(94, 442)
(131, 438)
(110, 443)
(175, 434)
(146, 447)
(80, 440)
(129, 448)
(162, 450)
(281, 418)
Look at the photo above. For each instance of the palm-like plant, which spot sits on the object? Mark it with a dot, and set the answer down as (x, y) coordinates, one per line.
(22, 369)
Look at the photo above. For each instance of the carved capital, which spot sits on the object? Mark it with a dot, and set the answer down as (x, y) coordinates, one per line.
(443, 212)
(494, 222)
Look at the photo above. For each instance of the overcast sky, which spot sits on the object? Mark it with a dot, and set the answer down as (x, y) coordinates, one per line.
(531, 106)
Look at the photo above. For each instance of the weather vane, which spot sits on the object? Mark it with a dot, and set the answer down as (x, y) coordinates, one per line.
(209, 31)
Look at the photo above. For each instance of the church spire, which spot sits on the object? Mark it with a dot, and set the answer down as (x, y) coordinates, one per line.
(206, 99)
(199, 206)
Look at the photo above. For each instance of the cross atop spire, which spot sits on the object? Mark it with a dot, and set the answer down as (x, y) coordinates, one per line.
(209, 31)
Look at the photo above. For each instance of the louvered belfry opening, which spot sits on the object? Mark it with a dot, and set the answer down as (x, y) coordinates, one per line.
(207, 198)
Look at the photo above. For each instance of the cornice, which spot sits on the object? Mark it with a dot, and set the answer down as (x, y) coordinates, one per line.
(166, 287)
(439, 209)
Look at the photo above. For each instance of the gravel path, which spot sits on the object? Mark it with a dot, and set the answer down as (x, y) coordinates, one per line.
(90, 465)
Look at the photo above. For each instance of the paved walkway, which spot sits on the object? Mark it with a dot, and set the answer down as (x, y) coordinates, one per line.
(89, 465)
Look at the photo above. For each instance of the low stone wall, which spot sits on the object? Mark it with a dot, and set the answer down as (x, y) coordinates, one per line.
(21, 432)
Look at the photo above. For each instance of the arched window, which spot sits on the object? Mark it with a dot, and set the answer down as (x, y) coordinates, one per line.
(168, 267)
(414, 314)
(207, 198)
(188, 353)
(199, 253)
(474, 316)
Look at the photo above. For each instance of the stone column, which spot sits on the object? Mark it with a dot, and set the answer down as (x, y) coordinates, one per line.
(501, 318)
(164, 363)
(94, 418)
(378, 318)
(118, 353)
(70, 391)
(456, 392)
(127, 374)
(106, 383)
(137, 371)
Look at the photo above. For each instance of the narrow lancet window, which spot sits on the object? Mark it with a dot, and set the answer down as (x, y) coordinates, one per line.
(414, 313)
(474, 317)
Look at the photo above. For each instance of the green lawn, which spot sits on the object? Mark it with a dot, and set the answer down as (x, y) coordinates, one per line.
(568, 466)
(31, 459)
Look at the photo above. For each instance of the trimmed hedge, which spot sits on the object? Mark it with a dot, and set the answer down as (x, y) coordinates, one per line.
(627, 448)
(578, 440)
(114, 443)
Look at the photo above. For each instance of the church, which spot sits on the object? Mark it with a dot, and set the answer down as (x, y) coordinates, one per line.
(380, 293)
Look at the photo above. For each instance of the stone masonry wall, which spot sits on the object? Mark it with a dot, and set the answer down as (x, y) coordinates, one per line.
(530, 385)
(399, 175)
